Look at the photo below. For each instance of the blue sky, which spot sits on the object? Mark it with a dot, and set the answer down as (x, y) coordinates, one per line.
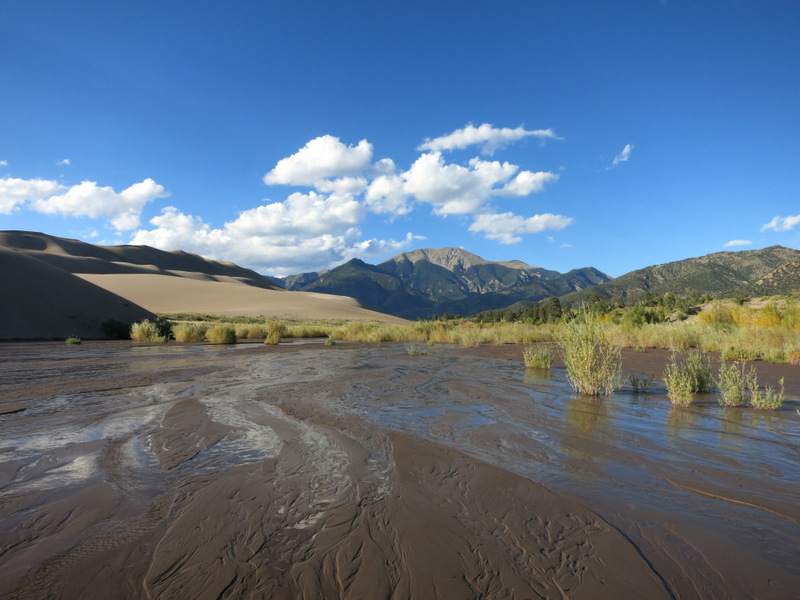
(293, 136)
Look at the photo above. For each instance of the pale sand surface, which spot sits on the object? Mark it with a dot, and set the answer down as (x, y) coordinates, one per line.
(307, 471)
(53, 288)
(169, 294)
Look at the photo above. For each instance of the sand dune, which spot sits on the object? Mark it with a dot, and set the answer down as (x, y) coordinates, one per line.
(55, 287)
(171, 294)
(39, 301)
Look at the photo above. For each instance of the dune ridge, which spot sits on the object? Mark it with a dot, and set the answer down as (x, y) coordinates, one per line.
(52, 288)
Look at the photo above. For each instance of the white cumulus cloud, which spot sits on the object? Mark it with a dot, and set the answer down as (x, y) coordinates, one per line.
(87, 199)
(507, 228)
(17, 192)
(781, 223)
(491, 138)
(733, 243)
(321, 158)
(304, 233)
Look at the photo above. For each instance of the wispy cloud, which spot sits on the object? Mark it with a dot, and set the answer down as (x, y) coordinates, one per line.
(734, 243)
(781, 223)
(63, 162)
(491, 138)
(623, 156)
(3, 163)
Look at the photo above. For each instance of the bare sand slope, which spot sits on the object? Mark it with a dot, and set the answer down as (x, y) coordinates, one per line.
(171, 294)
(56, 287)
(38, 300)
(362, 472)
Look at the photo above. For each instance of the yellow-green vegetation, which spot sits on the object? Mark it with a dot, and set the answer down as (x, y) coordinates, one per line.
(538, 357)
(641, 382)
(592, 360)
(148, 331)
(768, 329)
(733, 383)
(189, 332)
(687, 377)
(768, 399)
(414, 350)
(679, 382)
(224, 333)
(73, 341)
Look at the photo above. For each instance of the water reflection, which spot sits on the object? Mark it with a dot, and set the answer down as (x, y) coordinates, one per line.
(586, 418)
(682, 423)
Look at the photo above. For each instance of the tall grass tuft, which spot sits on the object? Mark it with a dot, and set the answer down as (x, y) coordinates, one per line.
(414, 350)
(538, 357)
(700, 372)
(189, 332)
(592, 361)
(679, 382)
(640, 382)
(221, 334)
(147, 331)
(733, 382)
(769, 399)
(275, 330)
(74, 341)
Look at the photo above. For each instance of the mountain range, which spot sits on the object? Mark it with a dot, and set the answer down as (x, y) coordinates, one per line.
(766, 272)
(428, 282)
(53, 287)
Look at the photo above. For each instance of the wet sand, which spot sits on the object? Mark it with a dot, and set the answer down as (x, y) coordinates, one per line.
(306, 471)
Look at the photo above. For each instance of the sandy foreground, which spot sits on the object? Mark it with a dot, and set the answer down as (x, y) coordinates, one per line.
(306, 471)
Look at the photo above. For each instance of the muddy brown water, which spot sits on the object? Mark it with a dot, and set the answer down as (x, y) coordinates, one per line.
(305, 471)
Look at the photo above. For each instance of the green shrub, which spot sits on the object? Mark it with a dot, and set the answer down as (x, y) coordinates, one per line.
(147, 331)
(538, 357)
(330, 341)
(73, 341)
(221, 334)
(680, 383)
(769, 399)
(189, 332)
(592, 361)
(640, 382)
(697, 365)
(732, 383)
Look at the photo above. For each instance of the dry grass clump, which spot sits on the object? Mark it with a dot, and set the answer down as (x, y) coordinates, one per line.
(592, 360)
(538, 357)
(274, 331)
(189, 332)
(224, 333)
(415, 350)
(147, 331)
